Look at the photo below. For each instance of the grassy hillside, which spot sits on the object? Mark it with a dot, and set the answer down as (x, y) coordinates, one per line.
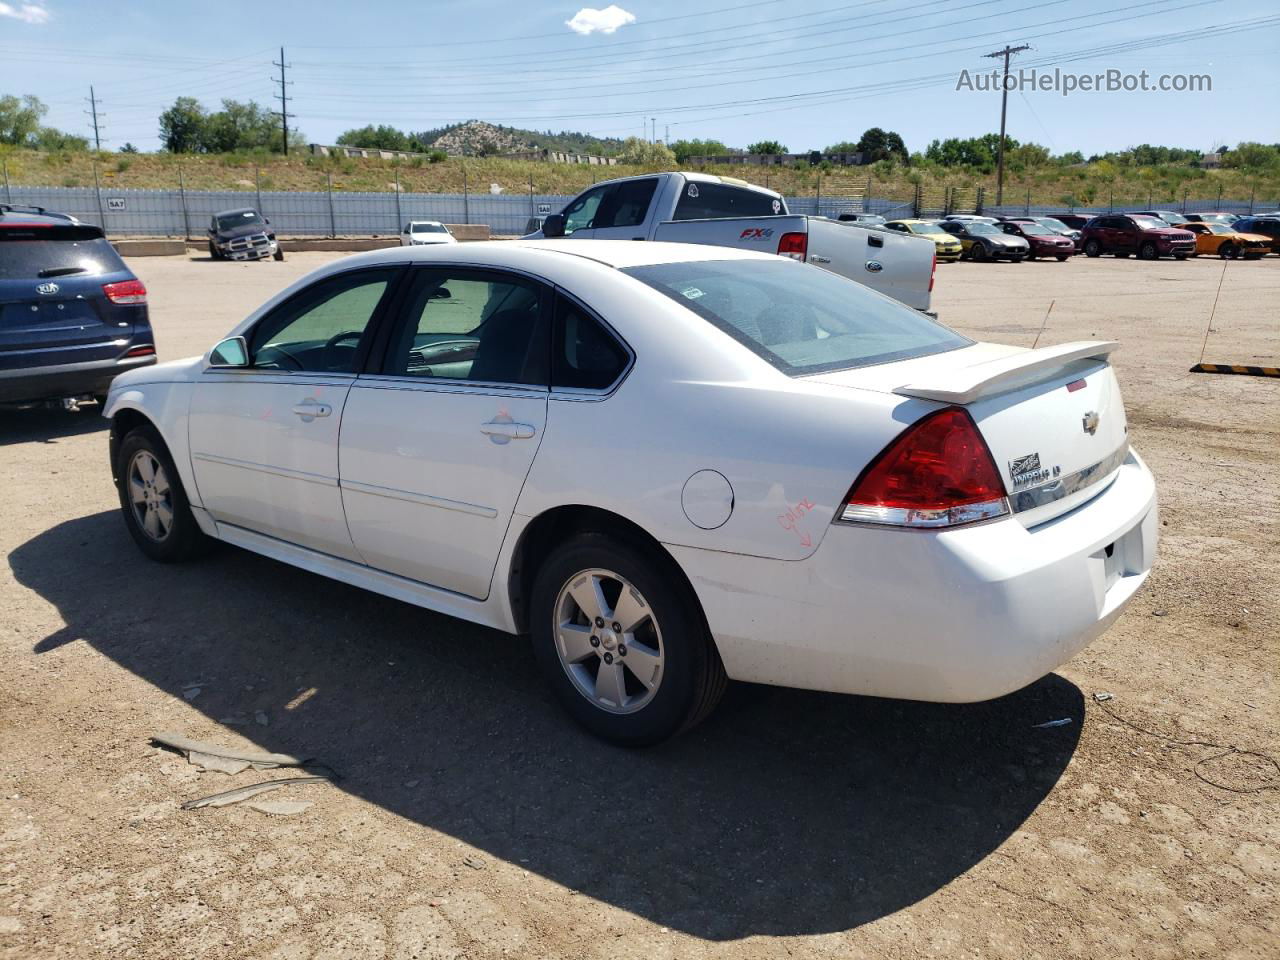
(1047, 185)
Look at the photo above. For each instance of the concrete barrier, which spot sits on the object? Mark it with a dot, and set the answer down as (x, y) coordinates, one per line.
(345, 244)
(150, 248)
(469, 231)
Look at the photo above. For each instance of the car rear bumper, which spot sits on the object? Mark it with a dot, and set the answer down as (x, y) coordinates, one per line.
(957, 616)
(64, 380)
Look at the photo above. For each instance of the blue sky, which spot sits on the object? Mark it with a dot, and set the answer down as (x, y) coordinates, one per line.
(806, 72)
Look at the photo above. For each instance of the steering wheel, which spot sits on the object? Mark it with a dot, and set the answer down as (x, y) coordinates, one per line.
(336, 339)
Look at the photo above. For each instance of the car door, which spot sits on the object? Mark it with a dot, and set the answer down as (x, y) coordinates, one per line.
(624, 213)
(438, 438)
(1125, 233)
(264, 437)
(580, 214)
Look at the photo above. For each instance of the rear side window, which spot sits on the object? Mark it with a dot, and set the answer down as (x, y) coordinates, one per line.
(702, 201)
(801, 319)
(56, 251)
(585, 356)
(626, 204)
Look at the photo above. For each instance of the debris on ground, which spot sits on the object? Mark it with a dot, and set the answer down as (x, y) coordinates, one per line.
(1102, 696)
(475, 863)
(1051, 723)
(210, 756)
(250, 791)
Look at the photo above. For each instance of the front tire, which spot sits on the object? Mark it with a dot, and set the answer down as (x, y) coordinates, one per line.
(155, 506)
(1062, 257)
(1229, 251)
(1093, 249)
(1149, 251)
(213, 252)
(621, 640)
(278, 256)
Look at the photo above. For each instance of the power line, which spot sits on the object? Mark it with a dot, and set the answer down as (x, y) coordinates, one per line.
(1007, 52)
(93, 112)
(284, 104)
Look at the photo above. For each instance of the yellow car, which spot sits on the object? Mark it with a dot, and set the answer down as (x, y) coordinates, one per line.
(1227, 243)
(948, 246)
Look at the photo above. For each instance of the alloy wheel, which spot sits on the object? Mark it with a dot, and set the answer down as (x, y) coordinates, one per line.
(608, 641)
(150, 496)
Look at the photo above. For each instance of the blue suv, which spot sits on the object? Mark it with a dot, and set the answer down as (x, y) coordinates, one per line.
(72, 315)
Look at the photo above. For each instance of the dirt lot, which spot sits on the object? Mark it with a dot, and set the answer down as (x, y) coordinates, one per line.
(475, 821)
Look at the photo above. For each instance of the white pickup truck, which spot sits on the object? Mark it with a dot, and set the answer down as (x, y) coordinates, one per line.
(724, 212)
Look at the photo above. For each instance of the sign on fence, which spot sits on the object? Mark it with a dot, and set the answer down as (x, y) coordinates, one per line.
(544, 208)
(115, 203)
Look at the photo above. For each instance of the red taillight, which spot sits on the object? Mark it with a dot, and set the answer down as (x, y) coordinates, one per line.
(146, 350)
(938, 473)
(933, 271)
(125, 292)
(793, 245)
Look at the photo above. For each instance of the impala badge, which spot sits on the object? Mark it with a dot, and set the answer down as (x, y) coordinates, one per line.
(1090, 423)
(48, 288)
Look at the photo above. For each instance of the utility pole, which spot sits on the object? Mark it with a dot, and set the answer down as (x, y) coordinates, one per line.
(93, 112)
(1007, 52)
(284, 102)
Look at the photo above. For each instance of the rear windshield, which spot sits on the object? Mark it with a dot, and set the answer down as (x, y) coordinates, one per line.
(702, 201)
(800, 318)
(60, 251)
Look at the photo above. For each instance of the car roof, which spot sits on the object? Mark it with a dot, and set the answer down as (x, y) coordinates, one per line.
(228, 213)
(12, 213)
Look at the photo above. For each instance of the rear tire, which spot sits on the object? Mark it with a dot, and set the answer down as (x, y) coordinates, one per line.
(1093, 249)
(155, 506)
(585, 659)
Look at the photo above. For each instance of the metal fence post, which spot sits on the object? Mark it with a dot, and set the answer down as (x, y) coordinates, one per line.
(1184, 200)
(399, 215)
(817, 197)
(97, 189)
(8, 197)
(1111, 203)
(257, 186)
(182, 194)
(1252, 190)
(1026, 209)
(915, 205)
(980, 199)
(532, 210)
(333, 225)
(466, 200)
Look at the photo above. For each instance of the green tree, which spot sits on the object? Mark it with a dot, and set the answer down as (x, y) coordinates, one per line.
(877, 144)
(240, 126)
(182, 126)
(128, 148)
(51, 139)
(382, 137)
(771, 147)
(844, 146)
(1252, 156)
(684, 149)
(635, 150)
(20, 119)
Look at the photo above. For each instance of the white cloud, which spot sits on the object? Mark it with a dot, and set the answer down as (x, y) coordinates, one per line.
(26, 12)
(589, 20)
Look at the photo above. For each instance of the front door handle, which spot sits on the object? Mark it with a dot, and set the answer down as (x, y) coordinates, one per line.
(309, 410)
(503, 431)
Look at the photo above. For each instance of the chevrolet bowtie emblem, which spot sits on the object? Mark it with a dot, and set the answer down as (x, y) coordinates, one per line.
(1090, 423)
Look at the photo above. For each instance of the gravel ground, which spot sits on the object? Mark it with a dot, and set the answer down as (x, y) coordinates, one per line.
(473, 820)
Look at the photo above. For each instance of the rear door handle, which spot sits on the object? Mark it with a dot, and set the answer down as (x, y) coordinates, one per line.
(309, 410)
(502, 431)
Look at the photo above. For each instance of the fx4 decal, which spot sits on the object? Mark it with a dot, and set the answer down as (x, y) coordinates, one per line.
(755, 233)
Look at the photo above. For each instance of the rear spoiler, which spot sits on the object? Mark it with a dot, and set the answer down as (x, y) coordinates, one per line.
(996, 376)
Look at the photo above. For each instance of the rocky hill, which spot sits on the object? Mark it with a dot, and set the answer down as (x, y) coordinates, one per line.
(478, 138)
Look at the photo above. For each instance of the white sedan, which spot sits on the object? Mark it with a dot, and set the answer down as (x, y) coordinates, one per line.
(420, 233)
(668, 464)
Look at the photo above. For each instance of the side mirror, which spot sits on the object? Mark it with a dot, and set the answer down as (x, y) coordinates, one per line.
(266, 220)
(553, 225)
(232, 352)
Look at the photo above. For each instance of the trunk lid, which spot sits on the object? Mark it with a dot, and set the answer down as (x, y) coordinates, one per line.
(1053, 418)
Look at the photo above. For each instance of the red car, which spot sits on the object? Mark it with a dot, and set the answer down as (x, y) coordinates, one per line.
(1043, 241)
(1125, 233)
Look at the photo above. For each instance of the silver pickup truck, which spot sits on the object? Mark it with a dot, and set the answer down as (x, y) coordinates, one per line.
(724, 212)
